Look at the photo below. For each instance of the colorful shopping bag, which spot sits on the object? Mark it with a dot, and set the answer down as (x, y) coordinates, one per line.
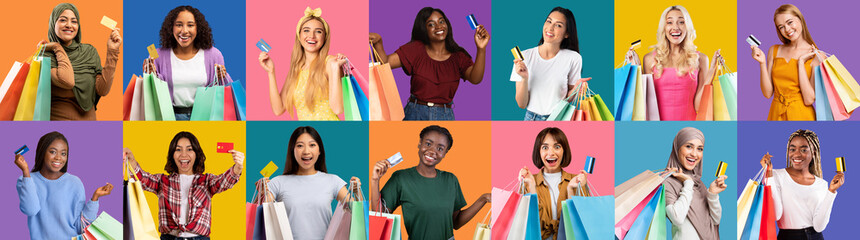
(651, 108)
(836, 106)
(10, 100)
(822, 106)
(752, 227)
(482, 230)
(105, 227)
(635, 194)
(357, 230)
(238, 99)
(229, 104)
(138, 111)
(157, 102)
(27, 101)
(640, 227)
(625, 91)
(350, 105)
(768, 215)
(745, 200)
(10, 77)
(622, 226)
(721, 110)
(562, 111)
(519, 221)
(141, 221)
(380, 227)
(605, 114)
(384, 97)
(208, 104)
(532, 231)
(339, 226)
(729, 83)
(501, 227)
(42, 109)
(706, 106)
(277, 223)
(845, 84)
(657, 230)
(639, 97)
(127, 96)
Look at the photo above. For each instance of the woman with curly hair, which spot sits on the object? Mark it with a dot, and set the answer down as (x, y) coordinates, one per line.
(188, 58)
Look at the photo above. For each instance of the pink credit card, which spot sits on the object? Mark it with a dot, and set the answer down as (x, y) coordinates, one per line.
(224, 147)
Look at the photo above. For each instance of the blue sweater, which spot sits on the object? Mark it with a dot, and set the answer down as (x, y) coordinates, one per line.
(54, 207)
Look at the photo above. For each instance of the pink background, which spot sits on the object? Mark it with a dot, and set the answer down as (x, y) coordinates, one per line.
(275, 22)
(513, 143)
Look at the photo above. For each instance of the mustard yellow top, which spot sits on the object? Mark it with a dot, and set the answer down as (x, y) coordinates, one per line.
(322, 110)
(787, 104)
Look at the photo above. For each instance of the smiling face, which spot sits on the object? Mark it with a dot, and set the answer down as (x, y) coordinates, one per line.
(66, 26)
(799, 153)
(555, 28)
(185, 29)
(690, 154)
(306, 151)
(312, 35)
(432, 148)
(56, 156)
(184, 156)
(675, 27)
(551, 153)
(789, 26)
(437, 27)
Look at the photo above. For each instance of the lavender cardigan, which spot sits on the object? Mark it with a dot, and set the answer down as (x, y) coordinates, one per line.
(210, 58)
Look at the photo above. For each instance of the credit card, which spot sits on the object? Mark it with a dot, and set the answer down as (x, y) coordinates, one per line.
(721, 169)
(840, 164)
(636, 44)
(517, 53)
(224, 147)
(753, 41)
(269, 169)
(589, 164)
(472, 22)
(152, 53)
(263, 46)
(109, 23)
(21, 151)
(395, 159)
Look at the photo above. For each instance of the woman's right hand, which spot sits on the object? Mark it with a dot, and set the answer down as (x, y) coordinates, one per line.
(527, 178)
(266, 62)
(129, 157)
(680, 175)
(49, 46)
(632, 56)
(758, 55)
(379, 169)
(21, 163)
(149, 64)
(520, 68)
(375, 38)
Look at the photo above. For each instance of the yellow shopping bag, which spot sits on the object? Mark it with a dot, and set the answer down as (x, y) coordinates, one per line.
(846, 86)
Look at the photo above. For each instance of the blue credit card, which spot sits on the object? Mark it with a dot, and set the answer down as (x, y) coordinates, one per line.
(263, 46)
(472, 22)
(589, 164)
(22, 150)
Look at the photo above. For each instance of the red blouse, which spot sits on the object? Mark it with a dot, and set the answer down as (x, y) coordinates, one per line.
(432, 81)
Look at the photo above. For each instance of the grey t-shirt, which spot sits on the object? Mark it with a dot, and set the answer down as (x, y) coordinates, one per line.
(308, 201)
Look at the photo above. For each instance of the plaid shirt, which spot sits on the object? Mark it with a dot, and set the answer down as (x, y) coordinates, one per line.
(166, 186)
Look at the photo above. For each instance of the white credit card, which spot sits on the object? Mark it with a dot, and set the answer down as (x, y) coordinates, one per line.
(753, 41)
(395, 159)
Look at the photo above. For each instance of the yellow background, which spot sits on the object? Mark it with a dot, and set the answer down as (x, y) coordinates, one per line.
(149, 142)
(715, 23)
(468, 159)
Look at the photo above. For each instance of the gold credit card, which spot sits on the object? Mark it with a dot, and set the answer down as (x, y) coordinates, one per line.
(840, 164)
(152, 53)
(721, 169)
(109, 23)
(636, 44)
(517, 53)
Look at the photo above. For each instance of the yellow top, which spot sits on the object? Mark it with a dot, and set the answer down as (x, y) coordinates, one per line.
(787, 104)
(322, 110)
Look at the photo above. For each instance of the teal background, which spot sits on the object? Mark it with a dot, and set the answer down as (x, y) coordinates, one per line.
(652, 154)
(346, 145)
(519, 24)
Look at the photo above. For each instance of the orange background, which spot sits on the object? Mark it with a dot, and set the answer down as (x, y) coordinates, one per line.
(27, 23)
(468, 159)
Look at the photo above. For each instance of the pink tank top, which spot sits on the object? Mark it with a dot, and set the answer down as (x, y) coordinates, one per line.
(676, 94)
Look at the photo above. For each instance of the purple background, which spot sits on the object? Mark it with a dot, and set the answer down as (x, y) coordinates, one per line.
(393, 19)
(757, 138)
(823, 18)
(92, 146)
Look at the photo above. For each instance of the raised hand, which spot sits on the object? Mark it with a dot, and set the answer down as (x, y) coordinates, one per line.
(115, 40)
(22, 164)
(677, 173)
(266, 62)
(482, 37)
(718, 185)
(758, 55)
(379, 169)
(102, 191)
(239, 160)
(837, 182)
(521, 69)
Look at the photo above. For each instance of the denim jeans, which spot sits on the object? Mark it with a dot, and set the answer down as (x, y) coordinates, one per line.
(182, 116)
(531, 116)
(414, 111)
(171, 237)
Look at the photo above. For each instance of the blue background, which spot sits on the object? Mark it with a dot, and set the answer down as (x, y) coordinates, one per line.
(757, 138)
(522, 25)
(346, 146)
(143, 23)
(641, 146)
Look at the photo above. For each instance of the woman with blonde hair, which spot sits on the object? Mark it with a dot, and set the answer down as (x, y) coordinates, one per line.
(680, 71)
(313, 86)
(789, 80)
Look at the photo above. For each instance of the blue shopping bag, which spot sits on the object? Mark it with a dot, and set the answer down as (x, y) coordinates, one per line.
(625, 82)
(640, 226)
(753, 225)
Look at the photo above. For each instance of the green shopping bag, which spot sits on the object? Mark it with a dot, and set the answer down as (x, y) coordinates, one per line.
(658, 224)
(357, 227)
(157, 102)
(106, 227)
(603, 109)
(208, 104)
(350, 106)
(42, 111)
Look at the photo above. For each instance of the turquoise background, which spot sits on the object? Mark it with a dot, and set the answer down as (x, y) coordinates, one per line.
(641, 146)
(520, 24)
(346, 146)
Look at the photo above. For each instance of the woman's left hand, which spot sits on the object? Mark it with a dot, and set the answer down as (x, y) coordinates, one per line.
(718, 185)
(115, 40)
(482, 37)
(837, 181)
(238, 158)
(716, 60)
(336, 63)
(581, 178)
(102, 191)
(356, 183)
(805, 57)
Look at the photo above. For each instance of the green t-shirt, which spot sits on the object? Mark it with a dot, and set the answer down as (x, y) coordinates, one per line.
(428, 203)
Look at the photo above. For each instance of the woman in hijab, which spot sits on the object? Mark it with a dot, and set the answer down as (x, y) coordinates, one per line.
(693, 209)
(77, 76)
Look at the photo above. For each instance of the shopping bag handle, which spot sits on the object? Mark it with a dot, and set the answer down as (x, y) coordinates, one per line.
(128, 170)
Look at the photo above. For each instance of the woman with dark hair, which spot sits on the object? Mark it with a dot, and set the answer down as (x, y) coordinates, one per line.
(78, 79)
(549, 72)
(693, 207)
(551, 153)
(185, 192)
(802, 199)
(432, 199)
(53, 199)
(436, 64)
(187, 59)
(306, 188)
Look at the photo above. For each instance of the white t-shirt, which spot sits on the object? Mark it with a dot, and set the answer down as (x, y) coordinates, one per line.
(184, 190)
(800, 206)
(552, 180)
(187, 76)
(549, 78)
(308, 199)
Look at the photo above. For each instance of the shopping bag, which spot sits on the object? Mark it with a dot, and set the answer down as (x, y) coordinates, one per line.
(706, 106)
(499, 196)
(605, 114)
(339, 226)
(238, 99)
(140, 218)
(822, 106)
(640, 227)
(624, 225)
(482, 230)
(250, 220)
(768, 215)
(744, 204)
(127, 96)
(629, 199)
(651, 108)
(836, 106)
(105, 227)
(42, 109)
(208, 104)
(396, 224)
(753, 222)
(357, 230)
(350, 105)
(360, 99)
(229, 104)
(10, 77)
(157, 100)
(595, 112)
(562, 110)
(13, 94)
(565, 229)
(625, 90)
(259, 224)
(639, 97)
(380, 227)
(729, 83)
(592, 211)
(721, 110)
(138, 111)
(384, 97)
(845, 84)
(518, 223)
(254, 222)
(657, 230)
(276, 222)
(502, 226)
(27, 101)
